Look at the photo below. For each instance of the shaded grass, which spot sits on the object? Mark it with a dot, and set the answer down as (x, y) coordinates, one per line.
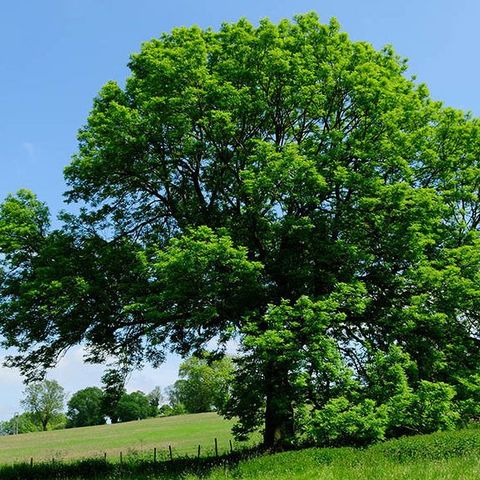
(134, 467)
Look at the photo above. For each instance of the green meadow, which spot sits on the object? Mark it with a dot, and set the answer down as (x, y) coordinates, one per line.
(183, 433)
(350, 464)
(79, 453)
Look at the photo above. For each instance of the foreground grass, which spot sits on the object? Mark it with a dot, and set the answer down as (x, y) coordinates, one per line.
(305, 468)
(184, 433)
(440, 456)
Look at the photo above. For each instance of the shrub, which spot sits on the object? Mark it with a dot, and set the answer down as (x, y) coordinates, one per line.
(468, 393)
(342, 423)
(430, 408)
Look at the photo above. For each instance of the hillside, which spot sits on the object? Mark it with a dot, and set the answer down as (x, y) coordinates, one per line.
(439, 456)
(184, 433)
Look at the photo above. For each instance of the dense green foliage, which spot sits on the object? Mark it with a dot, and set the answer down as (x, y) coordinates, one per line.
(113, 383)
(19, 423)
(133, 406)
(91, 405)
(155, 399)
(282, 185)
(85, 408)
(203, 385)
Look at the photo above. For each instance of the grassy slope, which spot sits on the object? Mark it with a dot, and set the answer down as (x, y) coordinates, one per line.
(183, 433)
(303, 466)
(440, 456)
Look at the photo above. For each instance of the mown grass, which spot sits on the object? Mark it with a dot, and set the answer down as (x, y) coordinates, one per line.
(184, 433)
(440, 456)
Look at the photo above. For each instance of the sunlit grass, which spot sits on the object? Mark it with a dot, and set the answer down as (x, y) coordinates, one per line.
(439, 456)
(183, 432)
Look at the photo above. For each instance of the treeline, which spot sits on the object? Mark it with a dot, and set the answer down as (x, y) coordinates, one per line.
(203, 386)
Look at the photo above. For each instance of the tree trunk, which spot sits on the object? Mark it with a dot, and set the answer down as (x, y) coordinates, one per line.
(279, 410)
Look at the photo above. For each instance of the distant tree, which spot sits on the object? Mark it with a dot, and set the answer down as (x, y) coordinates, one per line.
(5, 428)
(203, 386)
(174, 395)
(85, 408)
(113, 382)
(58, 422)
(166, 410)
(155, 398)
(22, 423)
(133, 406)
(44, 401)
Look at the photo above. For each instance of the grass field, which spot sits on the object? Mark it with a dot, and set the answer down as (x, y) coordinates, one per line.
(184, 433)
(303, 467)
(439, 456)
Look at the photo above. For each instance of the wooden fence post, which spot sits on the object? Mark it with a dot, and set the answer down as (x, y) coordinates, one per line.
(231, 446)
(198, 453)
(170, 451)
(155, 455)
(216, 448)
(31, 462)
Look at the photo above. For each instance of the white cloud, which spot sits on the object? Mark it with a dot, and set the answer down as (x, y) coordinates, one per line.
(73, 374)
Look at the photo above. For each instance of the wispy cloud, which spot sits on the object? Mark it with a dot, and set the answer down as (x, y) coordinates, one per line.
(30, 149)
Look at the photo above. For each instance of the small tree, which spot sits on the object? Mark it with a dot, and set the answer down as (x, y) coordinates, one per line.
(86, 408)
(44, 401)
(155, 398)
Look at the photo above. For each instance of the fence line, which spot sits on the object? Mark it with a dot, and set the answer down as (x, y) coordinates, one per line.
(141, 455)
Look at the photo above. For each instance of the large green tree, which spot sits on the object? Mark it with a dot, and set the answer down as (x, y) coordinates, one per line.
(280, 184)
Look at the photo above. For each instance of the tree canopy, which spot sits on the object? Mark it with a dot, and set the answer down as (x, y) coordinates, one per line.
(113, 382)
(44, 402)
(133, 406)
(85, 408)
(203, 385)
(279, 184)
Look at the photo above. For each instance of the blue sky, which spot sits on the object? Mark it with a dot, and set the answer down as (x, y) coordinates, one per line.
(56, 54)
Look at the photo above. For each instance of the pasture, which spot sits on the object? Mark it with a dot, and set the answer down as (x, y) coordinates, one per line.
(439, 456)
(183, 433)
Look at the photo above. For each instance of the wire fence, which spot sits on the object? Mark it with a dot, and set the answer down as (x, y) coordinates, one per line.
(163, 453)
(157, 460)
